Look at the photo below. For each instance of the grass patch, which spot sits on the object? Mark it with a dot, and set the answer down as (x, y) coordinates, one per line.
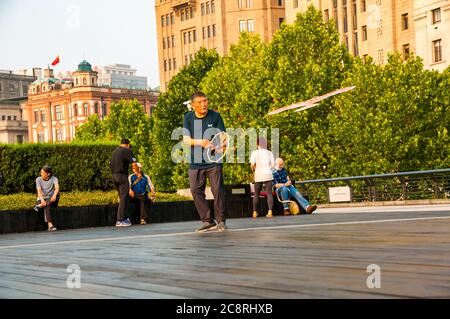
(76, 199)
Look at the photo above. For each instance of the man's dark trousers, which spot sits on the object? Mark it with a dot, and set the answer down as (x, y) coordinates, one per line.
(121, 184)
(197, 182)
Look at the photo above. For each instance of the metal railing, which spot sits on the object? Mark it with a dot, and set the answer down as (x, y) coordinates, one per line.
(417, 185)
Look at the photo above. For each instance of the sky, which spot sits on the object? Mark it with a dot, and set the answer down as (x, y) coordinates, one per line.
(34, 32)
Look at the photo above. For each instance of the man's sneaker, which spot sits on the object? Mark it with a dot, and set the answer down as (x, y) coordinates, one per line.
(53, 228)
(310, 209)
(222, 226)
(123, 223)
(143, 222)
(206, 226)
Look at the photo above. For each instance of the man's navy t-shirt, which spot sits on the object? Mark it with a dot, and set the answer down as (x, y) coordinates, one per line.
(202, 128)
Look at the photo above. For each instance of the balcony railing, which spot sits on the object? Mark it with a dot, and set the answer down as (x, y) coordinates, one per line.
(178, 4)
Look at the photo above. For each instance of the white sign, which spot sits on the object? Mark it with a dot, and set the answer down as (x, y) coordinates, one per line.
(339, 194)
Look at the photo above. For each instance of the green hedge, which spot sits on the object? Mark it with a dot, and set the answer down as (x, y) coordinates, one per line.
(76, 199)
(78, 166)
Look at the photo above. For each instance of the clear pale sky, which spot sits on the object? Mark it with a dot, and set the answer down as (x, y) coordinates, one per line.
(34, 32)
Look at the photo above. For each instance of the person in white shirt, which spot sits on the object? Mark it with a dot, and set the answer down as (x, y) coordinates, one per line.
(262, 163)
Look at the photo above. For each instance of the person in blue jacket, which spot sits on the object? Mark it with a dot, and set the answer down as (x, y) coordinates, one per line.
(140, 185)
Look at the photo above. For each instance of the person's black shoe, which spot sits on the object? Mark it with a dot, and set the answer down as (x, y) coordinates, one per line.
(206, 226)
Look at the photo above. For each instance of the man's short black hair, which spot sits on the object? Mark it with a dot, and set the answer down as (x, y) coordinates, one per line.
(197, 94)
(47, 169)
(125, 141)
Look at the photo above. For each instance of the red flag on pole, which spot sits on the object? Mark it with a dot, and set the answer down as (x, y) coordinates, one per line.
(56, 61)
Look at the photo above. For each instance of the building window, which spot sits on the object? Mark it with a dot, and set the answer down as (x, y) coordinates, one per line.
(405, 24)
(379, 27)
(213, 6)
(41, 137)
(354, 17)
(295, 4)
(437, 51)
(167, 19)
(182, 15)
(172, 18)
(174, 63)
(345, 18)
(251, 25)
(326, 15)
(168, 42)
(12, 89)
(190, 36)
(355, 44)
(194, 35)
(280, 3)
(84, 81)
(191, 58)
(86, 109)
(104, 110)
(186, 60)
(0, 86)
(165, 65)
(209, 31)
(185, 37)
(208, 9)
(96, 108)
(249, 3)
(364, 33)
(436, 15)
(75, 110)
(20, 139)
(203, 9)
(59, 135)
(162, 21)
(380, 57)
(164, 44)
(335, 18)
(241, 25)
(25, 89)
(346, 42)
(9, 118)
(36, 116)
(58, 113)
(43, 116)
(280, 21)
(406, 51)
(3, 117)
(15, 118)
(173, 41)
(214, 30)
(170, 64)
(240, 2)
(363, 6)
(204, 32)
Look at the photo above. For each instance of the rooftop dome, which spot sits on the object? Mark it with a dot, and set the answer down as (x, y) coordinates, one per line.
(84, 66)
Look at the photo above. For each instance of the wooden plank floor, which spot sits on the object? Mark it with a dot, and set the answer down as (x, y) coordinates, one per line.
(324, 255)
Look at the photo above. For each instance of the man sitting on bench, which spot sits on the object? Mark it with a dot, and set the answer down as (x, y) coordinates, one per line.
(284, 187)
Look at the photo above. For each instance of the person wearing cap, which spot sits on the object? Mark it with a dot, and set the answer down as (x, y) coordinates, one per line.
(120, 162)
(47, 187)
(140, 185)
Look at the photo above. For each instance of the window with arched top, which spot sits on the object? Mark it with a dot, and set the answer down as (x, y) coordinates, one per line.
(84, 81)
(38, 89)
(76, 81)
(96, 108)
(75, 110)
(86, 109)
(93, 81)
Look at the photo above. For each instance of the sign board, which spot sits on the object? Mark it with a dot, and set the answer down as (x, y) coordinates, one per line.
(240, 191)
(339, 194)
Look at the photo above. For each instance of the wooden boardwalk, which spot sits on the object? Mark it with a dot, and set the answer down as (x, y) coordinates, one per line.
(324, 255)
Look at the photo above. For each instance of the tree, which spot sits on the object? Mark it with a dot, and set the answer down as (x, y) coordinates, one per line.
(305, 59)
(127, 119)
(236, 88)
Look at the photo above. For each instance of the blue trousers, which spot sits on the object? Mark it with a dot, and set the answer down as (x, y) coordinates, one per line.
(285, 191)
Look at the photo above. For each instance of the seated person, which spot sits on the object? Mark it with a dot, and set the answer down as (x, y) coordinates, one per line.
(47, 187)
(140, 184)
(284, 187)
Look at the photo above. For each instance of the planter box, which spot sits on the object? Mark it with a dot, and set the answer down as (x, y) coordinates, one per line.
(101, 216)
